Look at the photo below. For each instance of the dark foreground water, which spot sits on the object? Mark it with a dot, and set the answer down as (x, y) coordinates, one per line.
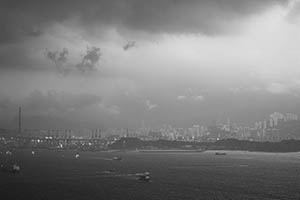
(237, 175)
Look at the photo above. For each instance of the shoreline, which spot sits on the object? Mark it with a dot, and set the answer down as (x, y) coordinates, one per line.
(170, 151)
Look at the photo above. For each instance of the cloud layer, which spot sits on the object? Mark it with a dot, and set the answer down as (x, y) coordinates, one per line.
(168, 16)
(128, 61)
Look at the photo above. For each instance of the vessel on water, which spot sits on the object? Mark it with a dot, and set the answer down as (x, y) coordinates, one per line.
(220, 153)
(77, 155)
(117, 158)
(11, 168)
(143, 176)
(171, 150)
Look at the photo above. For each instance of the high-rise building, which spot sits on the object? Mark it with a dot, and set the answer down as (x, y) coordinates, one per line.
(265, 124)
(291, 117)
(276, 116)
(197, 130)
(271, 123)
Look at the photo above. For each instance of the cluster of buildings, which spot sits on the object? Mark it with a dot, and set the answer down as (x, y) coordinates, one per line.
(266, 130)
(275, 119)
(273, 129)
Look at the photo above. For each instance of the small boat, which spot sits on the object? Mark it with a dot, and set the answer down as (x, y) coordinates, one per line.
(117, 158)
(33, 152)
(14, 168)
(110, 171)
(143, 176)
(77, 155)
(220, 153)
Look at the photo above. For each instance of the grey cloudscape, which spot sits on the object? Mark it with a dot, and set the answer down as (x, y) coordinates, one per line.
(57, 109)
(166, 16)
(89, 61)
(64, 109)
(52, 102)
(179, 62)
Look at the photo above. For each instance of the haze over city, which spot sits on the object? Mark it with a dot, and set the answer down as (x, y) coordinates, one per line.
(127, 63)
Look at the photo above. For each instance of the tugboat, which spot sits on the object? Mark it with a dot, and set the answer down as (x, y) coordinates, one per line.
(143, 176)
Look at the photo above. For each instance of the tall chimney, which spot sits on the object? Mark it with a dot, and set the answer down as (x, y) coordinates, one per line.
(20, 123)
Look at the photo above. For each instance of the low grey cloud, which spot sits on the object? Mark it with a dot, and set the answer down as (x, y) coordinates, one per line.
(59, 59)
(54, 102)
(190, 95)
(43, 105)
(150, 105)
(168, 16)
(32, 31)
(190, 98)
(90, 60)
(181, 97)
(294, 8)
(110, 109)
(6, 104)
(278, 88)
(129, 45)
(200, 64)
(198, 98)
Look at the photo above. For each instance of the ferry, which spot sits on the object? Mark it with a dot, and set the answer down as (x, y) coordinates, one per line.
(143, 176)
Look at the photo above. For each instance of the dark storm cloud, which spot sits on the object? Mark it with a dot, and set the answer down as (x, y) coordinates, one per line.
(59, 59)
(129, 45)
(90, 60)
(294, 10)
(154, 16)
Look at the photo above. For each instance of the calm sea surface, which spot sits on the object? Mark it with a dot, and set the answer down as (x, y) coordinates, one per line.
(178, 176)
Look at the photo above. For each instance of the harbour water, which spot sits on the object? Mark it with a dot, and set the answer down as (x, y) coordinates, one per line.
(50, 174)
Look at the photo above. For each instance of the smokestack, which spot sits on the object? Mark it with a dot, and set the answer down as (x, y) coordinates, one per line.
(20, 123)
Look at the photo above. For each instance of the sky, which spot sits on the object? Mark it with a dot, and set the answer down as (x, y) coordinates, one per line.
(134, 63)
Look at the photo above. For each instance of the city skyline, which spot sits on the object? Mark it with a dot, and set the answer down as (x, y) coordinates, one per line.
(272, 119)
(276, 127)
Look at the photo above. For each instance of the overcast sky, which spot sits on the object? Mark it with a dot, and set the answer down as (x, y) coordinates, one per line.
(125, 63)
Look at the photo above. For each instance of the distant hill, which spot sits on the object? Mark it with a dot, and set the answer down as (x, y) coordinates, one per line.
(227, 144)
